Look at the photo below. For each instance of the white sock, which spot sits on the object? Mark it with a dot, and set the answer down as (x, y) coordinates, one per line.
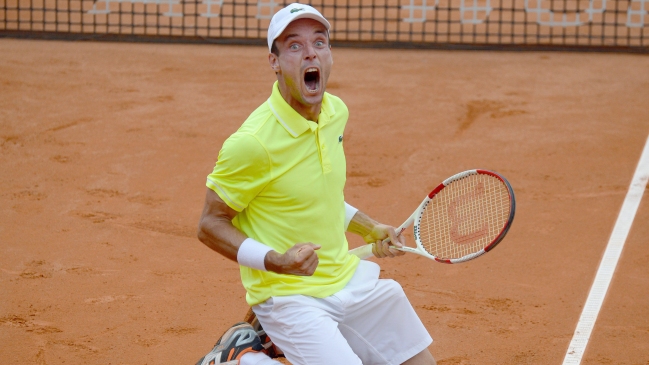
(257, 358)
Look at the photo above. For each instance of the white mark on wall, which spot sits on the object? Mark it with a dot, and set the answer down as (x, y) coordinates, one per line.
(545, 16)
(213, 8)
(266, 9)
(106, 6)
(476, 12)
(417, 10)
(636, 13)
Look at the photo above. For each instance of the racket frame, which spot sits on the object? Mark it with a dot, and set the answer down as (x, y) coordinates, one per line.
(365, 251)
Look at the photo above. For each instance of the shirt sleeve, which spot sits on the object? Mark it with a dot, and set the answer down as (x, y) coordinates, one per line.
(241, 171)
(350, 212)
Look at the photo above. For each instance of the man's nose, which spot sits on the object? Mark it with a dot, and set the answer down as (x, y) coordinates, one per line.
(309, 51)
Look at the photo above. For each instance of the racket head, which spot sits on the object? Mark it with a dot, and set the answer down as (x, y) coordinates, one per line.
(465, 216)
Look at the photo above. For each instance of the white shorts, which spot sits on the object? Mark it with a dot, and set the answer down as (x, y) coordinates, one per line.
(370, 321)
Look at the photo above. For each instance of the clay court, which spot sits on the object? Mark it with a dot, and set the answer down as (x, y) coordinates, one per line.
(105, 147)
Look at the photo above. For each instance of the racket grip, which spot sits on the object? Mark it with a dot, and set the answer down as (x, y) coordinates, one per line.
(362, 252)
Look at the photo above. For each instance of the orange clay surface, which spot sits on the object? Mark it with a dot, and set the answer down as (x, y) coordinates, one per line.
(104, 150)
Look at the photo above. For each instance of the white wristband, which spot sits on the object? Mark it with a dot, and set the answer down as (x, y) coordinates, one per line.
(252, 254)
(350, 212)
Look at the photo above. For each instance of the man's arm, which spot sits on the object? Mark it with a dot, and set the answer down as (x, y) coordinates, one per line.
(216, 231)
(374, 233)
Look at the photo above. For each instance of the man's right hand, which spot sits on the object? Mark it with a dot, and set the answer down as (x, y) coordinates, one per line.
(300, 259)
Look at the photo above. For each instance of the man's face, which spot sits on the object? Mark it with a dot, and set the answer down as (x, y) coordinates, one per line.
(304, 62)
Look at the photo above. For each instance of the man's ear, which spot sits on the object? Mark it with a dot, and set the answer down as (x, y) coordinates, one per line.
(273, 60)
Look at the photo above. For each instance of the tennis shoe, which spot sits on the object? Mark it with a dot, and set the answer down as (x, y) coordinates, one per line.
(240, 339)
(270, 348)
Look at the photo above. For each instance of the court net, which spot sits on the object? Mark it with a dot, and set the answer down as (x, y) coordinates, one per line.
(607, 25)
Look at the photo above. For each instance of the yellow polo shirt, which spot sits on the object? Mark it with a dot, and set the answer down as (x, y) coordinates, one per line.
(285, 176)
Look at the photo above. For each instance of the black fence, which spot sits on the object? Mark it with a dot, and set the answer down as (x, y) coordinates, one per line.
(605, 25)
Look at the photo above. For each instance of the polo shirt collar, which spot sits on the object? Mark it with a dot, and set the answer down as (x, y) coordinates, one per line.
(292, 121)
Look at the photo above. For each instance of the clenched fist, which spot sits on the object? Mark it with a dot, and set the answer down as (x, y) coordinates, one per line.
(300, 259)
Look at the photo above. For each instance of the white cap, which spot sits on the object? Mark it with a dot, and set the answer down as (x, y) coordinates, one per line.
(284, 17)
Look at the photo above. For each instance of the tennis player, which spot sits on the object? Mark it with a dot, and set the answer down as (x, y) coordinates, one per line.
(275, 205)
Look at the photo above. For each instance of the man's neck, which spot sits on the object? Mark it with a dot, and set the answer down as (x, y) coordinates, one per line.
(311, 112)
(308, 112)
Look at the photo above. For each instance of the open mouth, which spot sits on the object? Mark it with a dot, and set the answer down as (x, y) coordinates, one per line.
(312, 79)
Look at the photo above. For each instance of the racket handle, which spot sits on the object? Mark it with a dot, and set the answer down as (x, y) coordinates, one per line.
(365, 251)
(362, 252)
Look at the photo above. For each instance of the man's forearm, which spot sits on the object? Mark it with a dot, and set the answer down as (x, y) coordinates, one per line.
(361, 224)
(221, 236)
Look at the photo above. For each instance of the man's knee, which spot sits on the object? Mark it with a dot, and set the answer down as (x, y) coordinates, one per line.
(422, 358)
(393, 289)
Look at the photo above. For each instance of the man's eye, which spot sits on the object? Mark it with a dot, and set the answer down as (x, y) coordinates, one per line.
(319, 43)
(294, 46)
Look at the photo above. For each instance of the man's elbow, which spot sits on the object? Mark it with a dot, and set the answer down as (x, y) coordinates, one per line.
(200, 231)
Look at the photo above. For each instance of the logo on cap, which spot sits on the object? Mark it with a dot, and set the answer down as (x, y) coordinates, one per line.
(296, 10)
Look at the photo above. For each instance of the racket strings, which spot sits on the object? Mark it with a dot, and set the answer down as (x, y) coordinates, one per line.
(464, 217)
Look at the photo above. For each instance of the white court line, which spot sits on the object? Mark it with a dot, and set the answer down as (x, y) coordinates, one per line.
(609, 261)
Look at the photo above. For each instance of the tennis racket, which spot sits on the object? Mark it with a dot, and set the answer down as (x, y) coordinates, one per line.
(462, 218)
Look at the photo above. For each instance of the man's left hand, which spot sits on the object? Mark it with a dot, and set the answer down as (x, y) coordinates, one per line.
(380, 245)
